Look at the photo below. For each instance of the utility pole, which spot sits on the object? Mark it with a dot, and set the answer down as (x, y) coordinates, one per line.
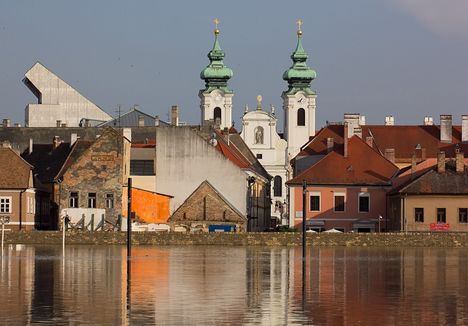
(129, 219)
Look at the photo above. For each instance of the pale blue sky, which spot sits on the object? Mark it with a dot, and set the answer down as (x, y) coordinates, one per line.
(377, 57)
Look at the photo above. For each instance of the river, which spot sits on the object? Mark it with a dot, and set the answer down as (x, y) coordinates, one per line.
(211, 285)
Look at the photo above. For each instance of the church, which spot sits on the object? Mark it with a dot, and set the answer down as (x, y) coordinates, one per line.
(259, 127)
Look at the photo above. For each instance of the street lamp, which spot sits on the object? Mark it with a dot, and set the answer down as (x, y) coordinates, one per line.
(4, 219)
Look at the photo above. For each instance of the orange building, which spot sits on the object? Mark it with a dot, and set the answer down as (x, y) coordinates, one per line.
(150, 207)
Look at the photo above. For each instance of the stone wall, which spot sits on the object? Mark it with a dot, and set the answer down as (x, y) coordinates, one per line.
(444, 240)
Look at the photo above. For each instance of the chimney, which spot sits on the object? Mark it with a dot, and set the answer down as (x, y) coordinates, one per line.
(58, 123)
(17, 125)
(127, 133)
(362, 120)
(370, 141)
(330, 144)
(459, 161)
(413, 164)
(63, 125)
(464, 128)
(141, 121)
(441, 162)
(446, 128)
(354, 121)
(30, 148)
(156, 120)
(423, 154)
(73, 139)
(428, 121)
(175, 115)
(6, 144)
(6, 123)
(390, 154)
(56, 142)
(345, 139)
(389, 120)
(358, 132)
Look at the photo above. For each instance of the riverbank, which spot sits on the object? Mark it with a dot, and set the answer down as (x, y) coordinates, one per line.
(444, 240)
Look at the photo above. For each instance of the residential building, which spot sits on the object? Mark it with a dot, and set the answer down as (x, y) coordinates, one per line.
(94, 176)
(433, 196)
(23, 199)
(344, 191)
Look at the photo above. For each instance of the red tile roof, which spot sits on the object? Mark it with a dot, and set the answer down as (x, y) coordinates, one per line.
(362, 166)
(15, 172)
(403, 139)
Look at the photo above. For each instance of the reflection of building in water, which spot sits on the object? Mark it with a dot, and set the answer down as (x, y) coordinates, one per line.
(37, 288)
(16, 274)
(437, 276)
(205, 284)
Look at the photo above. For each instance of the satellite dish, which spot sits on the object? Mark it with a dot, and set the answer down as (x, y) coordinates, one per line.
(213, 142)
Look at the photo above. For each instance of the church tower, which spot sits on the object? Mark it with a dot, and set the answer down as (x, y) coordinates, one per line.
(216, 97)
(299, 100)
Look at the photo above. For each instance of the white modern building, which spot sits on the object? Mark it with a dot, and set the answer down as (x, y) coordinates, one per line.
(58, 104)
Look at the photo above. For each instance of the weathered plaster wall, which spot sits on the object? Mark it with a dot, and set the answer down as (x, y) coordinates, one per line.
(101, 170)
(150, 207)
(184, 161)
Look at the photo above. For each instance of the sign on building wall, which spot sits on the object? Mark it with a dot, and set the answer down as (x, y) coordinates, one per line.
(439, 226)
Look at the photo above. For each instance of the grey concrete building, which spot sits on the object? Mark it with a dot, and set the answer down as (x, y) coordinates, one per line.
(58, 104)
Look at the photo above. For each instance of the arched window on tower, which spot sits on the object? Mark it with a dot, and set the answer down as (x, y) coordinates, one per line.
(217, 114)
(301, 117)
(278, 186)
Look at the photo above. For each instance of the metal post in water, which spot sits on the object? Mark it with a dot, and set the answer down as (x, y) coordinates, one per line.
(129, 219)
(304, 212)
(3, 234)
(304, 241)
(4, 220)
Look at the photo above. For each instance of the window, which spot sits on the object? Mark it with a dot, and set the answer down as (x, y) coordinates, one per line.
(92, 200)
(5, 205)
(259, 156)
(258, 135)
(364, 202)
(217, 114)
(73, 200)
(419, 214)
(463, 215)
(339, 203)
(315, 202)
(110, 201)
(441, 215)
(141, 167)
(278, 186)
(301, 117)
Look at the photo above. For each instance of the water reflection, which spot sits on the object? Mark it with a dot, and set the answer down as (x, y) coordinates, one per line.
(233, 286)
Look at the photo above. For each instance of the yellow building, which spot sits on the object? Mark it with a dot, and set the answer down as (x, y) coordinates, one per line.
(434, 198)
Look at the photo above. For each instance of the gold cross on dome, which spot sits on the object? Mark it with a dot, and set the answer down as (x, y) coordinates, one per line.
(299, 24)
(216, 21)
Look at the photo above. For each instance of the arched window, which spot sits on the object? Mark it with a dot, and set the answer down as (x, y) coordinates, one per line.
(278, 186)
(301, 117)
(258, 135)
(217, 114)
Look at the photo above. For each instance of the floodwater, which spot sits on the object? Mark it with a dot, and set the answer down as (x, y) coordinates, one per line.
(210, 285)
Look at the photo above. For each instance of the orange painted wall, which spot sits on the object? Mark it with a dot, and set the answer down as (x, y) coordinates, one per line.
(150, 207)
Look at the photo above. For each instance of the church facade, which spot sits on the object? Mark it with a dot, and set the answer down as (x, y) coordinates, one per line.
(259, 129)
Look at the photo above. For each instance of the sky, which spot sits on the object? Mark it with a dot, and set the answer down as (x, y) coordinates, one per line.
(406, 58)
